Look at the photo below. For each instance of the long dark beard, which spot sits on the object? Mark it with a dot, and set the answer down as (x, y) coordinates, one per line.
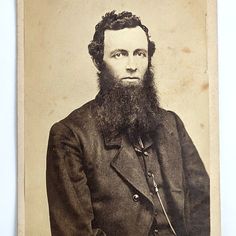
(127, 109)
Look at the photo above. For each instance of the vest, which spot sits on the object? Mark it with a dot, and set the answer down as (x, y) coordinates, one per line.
(152, 173)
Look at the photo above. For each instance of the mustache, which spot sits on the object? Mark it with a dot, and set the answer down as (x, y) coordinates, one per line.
(130, 78)
(118, 83)
(107, 82)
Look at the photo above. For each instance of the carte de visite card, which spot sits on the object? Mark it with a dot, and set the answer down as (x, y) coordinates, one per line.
(118, 118)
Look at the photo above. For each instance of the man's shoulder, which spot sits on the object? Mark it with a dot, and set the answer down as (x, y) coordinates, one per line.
(79, 117)
(168, 115)
(170, 120)
(83, 112)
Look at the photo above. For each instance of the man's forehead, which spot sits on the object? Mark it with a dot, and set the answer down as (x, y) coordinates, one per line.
(127, 38)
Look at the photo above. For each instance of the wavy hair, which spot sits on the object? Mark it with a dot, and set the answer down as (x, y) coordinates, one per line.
(115, 21)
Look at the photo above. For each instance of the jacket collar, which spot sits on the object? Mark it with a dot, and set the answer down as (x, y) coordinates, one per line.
(113, 140)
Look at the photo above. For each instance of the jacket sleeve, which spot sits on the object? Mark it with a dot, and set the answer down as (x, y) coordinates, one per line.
(197, 186)
(69, 197)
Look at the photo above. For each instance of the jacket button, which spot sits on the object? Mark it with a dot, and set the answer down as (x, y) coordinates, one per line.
(136, 197)
(156, 231)
(145, 154)
(149, 173)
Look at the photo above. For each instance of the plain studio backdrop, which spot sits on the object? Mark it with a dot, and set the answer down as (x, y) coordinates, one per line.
(60, 76)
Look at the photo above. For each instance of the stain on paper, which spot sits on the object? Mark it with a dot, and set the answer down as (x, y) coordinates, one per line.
(186, 50)
(204, 87)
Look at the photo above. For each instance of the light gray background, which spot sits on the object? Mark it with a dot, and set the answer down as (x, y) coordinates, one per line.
(227, 51)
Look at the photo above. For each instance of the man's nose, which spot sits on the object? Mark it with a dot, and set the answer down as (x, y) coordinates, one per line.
(131, 65)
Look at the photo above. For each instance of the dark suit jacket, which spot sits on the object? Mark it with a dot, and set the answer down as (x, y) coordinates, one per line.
(92, 178)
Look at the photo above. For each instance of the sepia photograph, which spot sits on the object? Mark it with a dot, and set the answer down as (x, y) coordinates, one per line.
(118, 119)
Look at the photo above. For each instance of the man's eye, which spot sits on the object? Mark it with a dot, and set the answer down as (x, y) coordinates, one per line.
(118, 55)
(141, 54)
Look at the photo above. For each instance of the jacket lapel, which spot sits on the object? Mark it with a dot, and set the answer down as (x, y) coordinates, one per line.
(127, 164)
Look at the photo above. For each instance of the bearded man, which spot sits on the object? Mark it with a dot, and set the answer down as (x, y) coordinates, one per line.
(120, 165)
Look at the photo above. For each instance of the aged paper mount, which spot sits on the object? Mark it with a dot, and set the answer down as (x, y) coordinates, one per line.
(42, 82)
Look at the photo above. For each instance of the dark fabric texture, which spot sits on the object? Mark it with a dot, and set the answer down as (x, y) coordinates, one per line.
(96, 185)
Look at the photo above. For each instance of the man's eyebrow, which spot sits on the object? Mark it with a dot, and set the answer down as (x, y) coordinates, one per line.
(140, 50)
(118, 50)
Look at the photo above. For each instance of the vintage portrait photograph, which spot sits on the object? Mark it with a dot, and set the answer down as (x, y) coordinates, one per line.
(118, 122)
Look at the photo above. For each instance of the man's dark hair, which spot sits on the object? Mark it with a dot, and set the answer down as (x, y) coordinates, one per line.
(113, 21)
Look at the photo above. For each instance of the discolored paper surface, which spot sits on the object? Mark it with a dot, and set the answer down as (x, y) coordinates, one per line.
(56, 76)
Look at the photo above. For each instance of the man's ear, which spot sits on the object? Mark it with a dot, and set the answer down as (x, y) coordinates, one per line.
(96, 64)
